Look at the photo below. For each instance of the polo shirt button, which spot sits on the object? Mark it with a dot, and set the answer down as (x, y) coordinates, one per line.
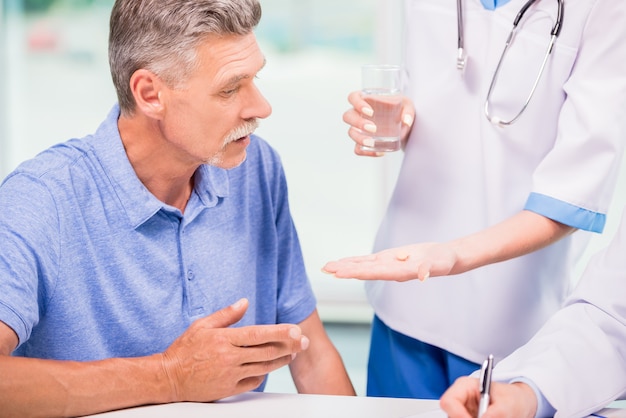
(189, 275)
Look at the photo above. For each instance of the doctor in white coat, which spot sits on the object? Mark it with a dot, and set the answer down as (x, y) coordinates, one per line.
(576, 363)
(493, 183)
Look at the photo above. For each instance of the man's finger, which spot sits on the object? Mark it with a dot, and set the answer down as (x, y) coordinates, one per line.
(287, 335)
(262, 368)
(227, 316)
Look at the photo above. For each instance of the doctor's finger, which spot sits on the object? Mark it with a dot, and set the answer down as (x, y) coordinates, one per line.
(356, 120)
(361, 114)
(408, 112)
(358, 136)
(361, 140)
(461, 399)
(359, 150)
(335, 264)
(356, 100)
(396, 271)
(423, 271)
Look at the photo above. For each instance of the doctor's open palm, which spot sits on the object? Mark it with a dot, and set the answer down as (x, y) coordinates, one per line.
(417, 261)
(518, 235)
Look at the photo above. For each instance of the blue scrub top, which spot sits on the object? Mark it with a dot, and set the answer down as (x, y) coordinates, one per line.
(492, 4)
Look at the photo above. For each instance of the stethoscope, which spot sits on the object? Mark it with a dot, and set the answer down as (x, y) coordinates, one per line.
(461, 60)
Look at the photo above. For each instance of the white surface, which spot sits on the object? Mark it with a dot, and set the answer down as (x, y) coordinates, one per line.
(430, 414)
(281, 405)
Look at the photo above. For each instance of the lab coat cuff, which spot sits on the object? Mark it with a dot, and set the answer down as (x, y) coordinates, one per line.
(544, 408)
(565, 213)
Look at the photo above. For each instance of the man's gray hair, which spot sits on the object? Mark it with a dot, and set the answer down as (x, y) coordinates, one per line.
(162, 36)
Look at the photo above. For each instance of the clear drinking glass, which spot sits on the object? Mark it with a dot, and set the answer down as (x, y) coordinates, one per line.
(381, 90)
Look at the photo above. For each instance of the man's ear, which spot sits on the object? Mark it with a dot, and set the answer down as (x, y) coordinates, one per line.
(146, 88)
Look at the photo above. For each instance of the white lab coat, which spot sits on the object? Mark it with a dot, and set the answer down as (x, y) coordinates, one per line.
(461, 174)
(578, 359)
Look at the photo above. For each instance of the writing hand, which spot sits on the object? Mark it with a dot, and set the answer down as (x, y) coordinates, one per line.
(507, 400)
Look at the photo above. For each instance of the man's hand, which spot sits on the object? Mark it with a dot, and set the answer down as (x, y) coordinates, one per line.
(210, 361)
(516, 400)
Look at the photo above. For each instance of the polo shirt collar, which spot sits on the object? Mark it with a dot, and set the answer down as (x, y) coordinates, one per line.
(138, 202)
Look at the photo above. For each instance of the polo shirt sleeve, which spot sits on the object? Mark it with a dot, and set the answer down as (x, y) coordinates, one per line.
(29, 231)
(575, 181)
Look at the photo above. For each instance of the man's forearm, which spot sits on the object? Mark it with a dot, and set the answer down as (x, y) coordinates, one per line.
(327, 376)
(34, 387)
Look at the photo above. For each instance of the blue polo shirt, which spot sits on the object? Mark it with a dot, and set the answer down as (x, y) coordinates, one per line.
(92, 265)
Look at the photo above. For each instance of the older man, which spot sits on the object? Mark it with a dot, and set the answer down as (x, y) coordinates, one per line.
(128, 254)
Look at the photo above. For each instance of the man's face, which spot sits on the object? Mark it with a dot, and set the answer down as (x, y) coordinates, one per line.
(211, 117)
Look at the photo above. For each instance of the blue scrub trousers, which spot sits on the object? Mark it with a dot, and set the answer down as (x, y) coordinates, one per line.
(402, 367)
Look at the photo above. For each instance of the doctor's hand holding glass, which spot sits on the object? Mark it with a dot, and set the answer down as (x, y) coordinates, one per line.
(513, 138)
(381, 117)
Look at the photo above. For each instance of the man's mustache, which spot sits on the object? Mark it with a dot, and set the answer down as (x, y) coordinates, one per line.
(245, 129)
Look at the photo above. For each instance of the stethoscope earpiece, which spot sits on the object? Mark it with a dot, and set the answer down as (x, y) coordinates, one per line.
(460, 60)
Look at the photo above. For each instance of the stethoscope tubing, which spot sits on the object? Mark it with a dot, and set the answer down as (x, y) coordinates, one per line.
(461, 59)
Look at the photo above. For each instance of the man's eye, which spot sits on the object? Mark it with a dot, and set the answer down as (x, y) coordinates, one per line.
(230, 92)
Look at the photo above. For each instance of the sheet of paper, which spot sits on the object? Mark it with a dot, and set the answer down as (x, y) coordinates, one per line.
(609, 413)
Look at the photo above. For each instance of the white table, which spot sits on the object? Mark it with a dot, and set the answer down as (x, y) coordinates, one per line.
(289, 405)
(285, 405)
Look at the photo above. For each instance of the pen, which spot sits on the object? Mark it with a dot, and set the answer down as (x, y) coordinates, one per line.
(485, 385)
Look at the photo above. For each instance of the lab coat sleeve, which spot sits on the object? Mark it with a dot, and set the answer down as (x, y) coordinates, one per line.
(578, 358)
(582, 167)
